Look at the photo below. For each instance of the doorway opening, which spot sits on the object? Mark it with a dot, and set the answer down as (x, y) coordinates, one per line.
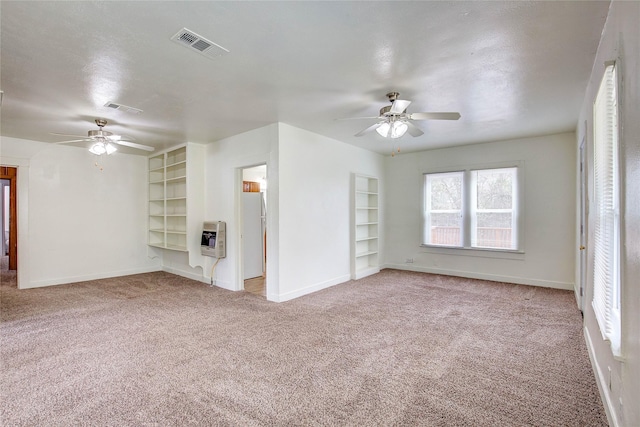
(8, 225)
(254, 229)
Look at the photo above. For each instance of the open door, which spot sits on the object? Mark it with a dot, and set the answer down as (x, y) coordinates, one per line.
(10, 174)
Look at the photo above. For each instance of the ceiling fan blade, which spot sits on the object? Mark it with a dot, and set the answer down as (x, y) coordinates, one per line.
(65, 134)
(358, 118)
(114, 138)
(413, 129)
(369, 129)
(399, 105)
(434, 116)
(73, 140)
(134, 145)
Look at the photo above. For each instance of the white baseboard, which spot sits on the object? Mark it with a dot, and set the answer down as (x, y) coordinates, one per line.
(221, 284)
(187, 274)
(482, 276)
(198, 277)
(309, 289)
(602, 382)
(84, 278)
(364, 273)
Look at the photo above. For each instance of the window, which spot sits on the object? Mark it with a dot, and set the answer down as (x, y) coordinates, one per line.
(474, 208)
(606, 253)
(493, 196)
(443, 213)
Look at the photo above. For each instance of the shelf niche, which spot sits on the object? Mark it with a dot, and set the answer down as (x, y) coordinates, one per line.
(168, 200)
(365, 226)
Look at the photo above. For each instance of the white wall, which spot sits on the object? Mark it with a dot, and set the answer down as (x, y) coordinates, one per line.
(549, 209)
(315, 214)
(308, 216)
(222, 187)
(619, 380)
(75, 222)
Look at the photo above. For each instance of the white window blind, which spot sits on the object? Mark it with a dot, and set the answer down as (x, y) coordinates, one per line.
(606, 265)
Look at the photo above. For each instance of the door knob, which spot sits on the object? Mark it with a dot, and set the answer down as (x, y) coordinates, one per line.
(582, 248)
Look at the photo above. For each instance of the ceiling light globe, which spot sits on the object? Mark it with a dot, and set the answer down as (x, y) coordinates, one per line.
(111, 149)
(383, 129)
(398, 129)
(98, 148)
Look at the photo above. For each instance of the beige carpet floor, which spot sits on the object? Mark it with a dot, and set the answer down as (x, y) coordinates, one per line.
(397, 348)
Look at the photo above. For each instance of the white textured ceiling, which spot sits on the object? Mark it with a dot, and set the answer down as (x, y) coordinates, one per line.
(512, 69)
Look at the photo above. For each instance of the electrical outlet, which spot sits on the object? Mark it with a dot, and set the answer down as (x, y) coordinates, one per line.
(408, 261)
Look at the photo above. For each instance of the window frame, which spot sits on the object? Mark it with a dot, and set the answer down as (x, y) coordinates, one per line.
(606, 301)
(466, 248)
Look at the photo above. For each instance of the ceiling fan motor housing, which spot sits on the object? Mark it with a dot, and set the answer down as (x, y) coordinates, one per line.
(96, 134)
(386, 112)
(100, 133)
(392, 96)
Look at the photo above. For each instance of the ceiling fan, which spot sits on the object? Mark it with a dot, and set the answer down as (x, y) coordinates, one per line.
(103, 140)
(394, 121)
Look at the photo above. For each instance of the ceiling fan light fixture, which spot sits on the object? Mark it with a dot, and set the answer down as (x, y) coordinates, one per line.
(100, 148)
(392, 129)
(383, 129)
(398, 129)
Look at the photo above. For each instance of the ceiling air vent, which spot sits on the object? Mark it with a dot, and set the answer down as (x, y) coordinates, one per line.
(124, 108)
(198, 43)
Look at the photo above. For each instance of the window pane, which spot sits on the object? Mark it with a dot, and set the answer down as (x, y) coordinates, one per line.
(493, 208)
(446, 191)
(443, 209)
(495, 189)
(494, 230)
(445, 229)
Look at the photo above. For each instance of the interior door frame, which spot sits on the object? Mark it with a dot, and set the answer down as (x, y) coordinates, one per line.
(22, 206)
(240, 218)
(11, 173)
(582, 250)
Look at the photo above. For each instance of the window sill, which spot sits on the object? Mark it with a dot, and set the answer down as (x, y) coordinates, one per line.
(474, 252)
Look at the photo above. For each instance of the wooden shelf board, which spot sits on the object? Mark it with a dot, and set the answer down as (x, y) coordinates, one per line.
(364, 254)
(181, 162)
(176, 248)
(176, 178)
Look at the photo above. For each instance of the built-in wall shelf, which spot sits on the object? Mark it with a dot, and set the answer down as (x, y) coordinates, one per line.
(168, 200)
(365, 223)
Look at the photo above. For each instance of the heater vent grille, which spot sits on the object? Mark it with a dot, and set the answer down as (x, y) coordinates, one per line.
(199, 44)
